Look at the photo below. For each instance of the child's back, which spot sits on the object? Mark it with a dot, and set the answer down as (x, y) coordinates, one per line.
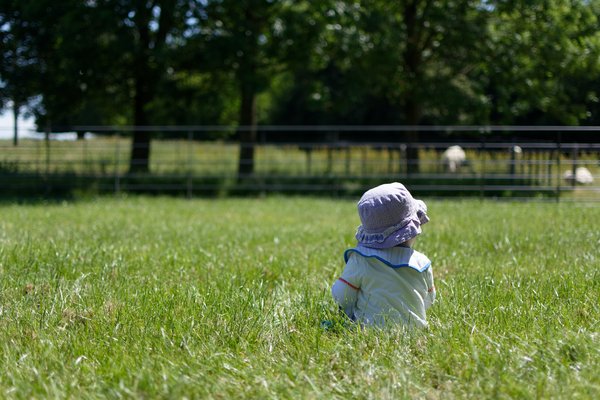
(386, 281)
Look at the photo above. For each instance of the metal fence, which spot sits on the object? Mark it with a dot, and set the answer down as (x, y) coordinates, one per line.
(334, 160)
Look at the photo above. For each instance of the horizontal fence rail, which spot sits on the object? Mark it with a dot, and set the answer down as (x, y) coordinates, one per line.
(336, 160)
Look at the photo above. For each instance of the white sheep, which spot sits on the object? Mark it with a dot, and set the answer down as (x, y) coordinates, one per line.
(583, 176)
(453, 158)
(517, 151)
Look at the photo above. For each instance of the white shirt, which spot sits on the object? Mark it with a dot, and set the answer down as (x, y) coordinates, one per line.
(380, 286)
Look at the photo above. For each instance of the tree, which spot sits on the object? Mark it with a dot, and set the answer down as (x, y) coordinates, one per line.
(326, 80)
(543, 61)
(142, 32)
(18, 64)
(403, 62)
(240, 37)
(433, 47)
(14, 70)
(58, 56)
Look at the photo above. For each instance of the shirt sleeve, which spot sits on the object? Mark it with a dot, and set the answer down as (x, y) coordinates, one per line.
(430, 297)
(345, 289)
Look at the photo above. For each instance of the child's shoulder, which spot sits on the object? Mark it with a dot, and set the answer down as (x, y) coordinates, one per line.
(395, 257)
(421, 260)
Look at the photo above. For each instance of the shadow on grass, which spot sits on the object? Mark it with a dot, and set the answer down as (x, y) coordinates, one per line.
(30, 187)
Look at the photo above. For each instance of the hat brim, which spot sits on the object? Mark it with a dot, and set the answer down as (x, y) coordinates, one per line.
(422, 211)
(405, 233)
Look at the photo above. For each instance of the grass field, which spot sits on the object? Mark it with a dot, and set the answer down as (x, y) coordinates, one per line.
(172, 298)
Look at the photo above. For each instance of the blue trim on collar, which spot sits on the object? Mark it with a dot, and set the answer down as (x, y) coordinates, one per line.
(386, 262)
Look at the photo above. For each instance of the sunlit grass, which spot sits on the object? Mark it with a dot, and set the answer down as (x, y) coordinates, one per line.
(169, 298)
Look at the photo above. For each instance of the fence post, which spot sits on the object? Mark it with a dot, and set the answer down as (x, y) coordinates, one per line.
(548, 178)
(86, 165)
(117, 184)
(558, 177)
(574, 155)
(483, 166)
(404, 158)
(190, 164)
(262, 177)
(308, 159)
(513, 163)
(348, 156)
(47, 169)
(364, 160)
(47, 146)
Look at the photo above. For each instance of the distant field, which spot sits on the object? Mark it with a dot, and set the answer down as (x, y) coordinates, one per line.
(101, 166)
(110, 155)
(169, 298)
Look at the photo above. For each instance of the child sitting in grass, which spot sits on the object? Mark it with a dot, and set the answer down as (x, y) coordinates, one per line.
(385, 280)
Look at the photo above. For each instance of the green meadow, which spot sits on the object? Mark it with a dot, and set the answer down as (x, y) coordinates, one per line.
(149, 298)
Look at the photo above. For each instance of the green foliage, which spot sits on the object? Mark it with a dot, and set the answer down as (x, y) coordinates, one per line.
(327, 62)
(543, 61)
(165, 298)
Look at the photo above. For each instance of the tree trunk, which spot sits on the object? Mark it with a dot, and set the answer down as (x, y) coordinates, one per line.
(413, 61)
(140, 147)
(16, 124)
(413, 117)
(247, 131)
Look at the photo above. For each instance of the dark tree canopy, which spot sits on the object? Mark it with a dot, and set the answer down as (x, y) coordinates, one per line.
(250, 62)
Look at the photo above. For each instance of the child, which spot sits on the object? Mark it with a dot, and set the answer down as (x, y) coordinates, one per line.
(385, 280)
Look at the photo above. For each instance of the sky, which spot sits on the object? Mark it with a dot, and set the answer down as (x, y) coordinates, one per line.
(26, 129)
(7, 126)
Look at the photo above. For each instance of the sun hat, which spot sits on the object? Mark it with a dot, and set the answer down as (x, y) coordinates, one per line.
(389, 216)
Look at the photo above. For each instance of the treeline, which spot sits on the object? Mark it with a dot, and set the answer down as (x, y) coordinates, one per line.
(249, 62)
